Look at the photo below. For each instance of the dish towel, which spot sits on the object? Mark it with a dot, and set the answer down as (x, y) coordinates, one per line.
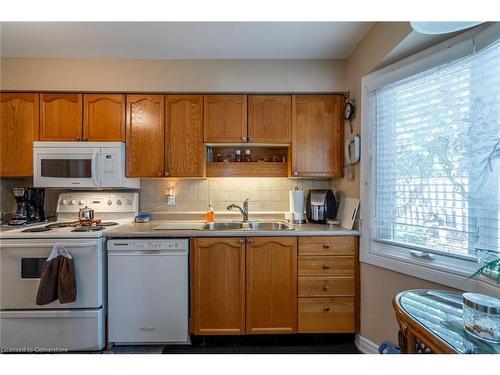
(58, 278)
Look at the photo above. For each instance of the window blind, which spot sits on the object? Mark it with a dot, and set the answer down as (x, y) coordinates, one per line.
(437, 157)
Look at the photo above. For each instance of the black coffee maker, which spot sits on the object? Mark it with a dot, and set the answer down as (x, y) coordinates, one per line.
(29, 206)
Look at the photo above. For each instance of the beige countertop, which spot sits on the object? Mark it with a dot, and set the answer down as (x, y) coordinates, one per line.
(146, 230)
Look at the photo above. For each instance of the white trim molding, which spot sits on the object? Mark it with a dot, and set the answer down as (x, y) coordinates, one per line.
(365, 346)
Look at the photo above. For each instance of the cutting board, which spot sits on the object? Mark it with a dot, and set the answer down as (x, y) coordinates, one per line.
(347, 212)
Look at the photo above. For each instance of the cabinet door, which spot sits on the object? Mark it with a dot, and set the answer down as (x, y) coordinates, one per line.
(218, 286)
(271, 269)
(270, 118)
(61, 117)
(225, 118)
(145, 136)
(317, 135)
(184, 136)
(18, 129)
(104, 117)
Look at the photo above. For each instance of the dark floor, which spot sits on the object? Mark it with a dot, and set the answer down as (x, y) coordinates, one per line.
(253, 344)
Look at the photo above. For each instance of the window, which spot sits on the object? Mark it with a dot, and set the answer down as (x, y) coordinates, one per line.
(434, 173)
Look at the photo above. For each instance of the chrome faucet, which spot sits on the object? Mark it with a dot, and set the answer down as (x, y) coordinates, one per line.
(244, 210)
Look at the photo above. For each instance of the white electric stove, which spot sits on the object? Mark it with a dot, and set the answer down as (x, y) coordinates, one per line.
(77, 326)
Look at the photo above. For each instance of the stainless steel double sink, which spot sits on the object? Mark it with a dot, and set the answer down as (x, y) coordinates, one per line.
(251, 226)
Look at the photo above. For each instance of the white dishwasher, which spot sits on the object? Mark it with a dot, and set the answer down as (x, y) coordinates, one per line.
(148, 291)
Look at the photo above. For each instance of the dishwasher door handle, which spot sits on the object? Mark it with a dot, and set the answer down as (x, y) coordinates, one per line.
(147, 252)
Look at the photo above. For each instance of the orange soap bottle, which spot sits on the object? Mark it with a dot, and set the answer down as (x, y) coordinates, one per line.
(210, 215)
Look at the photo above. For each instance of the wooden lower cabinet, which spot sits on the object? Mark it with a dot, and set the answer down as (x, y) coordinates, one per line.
(328, 284)
(271, 273)
(263, 285)
(326, 315)
(218, 286)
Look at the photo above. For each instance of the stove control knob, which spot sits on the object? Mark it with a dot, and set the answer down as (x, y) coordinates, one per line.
(82, 202)
(119, 202)
(64, 201)
(110, 202)
(129, 202)
(73, 202)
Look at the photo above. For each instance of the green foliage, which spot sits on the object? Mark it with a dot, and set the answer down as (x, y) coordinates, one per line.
(492, 267)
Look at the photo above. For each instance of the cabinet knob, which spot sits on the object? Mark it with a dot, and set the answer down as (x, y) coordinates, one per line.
(167, 174)
(242, 240)
(77, 138)
(85, 139)
(326, 308)
(295, 173)
(244, 139)
(326, 287)
(249, 240)
(326, 246)
(250, 139)
(326, 266)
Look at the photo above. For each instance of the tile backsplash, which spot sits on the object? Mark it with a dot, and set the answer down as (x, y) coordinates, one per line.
(265, 194)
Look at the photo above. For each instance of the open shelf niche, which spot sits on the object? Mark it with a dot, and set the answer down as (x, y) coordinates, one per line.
(266, 160)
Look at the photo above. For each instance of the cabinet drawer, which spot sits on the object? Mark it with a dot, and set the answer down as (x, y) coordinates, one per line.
(344, 245)
(318, 266)
(326, 286)
(326, 315)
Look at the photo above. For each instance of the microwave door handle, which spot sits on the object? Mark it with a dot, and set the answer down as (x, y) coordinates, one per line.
(94, 167)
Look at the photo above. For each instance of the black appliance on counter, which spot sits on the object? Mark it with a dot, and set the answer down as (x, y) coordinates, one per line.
(29, 206)
(320, 206)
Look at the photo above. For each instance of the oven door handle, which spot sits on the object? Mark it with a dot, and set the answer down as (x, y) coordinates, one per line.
(94, 167)
(69, 246)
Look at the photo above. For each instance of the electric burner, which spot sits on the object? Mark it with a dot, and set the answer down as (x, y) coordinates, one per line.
(108, 224)
(34, 230)
(17, 222)
(59, 225)
(93, 228)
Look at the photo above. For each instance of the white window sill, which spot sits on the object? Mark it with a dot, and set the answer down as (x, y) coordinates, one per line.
(442, 270)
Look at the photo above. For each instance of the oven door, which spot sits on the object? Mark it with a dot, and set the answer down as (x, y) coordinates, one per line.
(21, 263)
(66, 167)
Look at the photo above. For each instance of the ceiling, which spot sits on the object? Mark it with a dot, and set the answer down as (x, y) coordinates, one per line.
(182, 40)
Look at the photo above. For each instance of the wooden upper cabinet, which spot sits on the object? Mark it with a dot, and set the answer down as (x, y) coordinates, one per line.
(270, 118)
(60, 117)
(104, 117)
(145, 136)
(18, 130)
(271, 272)
(317, 135)
(225, 118)
(184, 136)
(218, 286)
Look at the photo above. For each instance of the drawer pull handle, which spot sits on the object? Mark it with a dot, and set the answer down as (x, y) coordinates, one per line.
(326, 287)
(242, 240)
(326, 266)
(326, 308)
(326, 246)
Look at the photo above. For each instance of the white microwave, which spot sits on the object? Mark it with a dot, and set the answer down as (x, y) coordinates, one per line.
(80, 165)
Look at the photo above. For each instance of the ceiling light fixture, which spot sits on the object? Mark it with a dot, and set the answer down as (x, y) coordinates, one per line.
(441, 27)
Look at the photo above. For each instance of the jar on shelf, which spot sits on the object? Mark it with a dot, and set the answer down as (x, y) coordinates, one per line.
(237, 156)
(481, 316)
(248, 156)
(218, 158)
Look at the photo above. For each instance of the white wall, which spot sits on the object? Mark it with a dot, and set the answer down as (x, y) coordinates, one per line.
(174, 75)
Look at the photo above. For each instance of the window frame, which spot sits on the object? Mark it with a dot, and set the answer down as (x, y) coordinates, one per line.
(447, 270)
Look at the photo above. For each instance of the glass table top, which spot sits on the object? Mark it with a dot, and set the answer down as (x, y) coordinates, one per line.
(441, 313)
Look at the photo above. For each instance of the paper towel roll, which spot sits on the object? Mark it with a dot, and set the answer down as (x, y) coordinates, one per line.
(297, 201)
